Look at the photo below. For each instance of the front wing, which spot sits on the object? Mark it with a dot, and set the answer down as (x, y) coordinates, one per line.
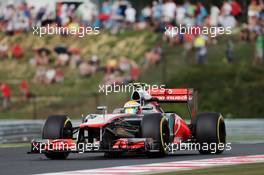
(69, 145)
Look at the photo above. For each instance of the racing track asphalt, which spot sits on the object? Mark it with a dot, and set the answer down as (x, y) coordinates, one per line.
(14, 161)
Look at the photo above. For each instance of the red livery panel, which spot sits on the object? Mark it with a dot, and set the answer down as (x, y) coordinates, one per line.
(172, 95)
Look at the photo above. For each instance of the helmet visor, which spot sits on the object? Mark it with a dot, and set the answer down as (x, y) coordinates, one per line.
(131, 110)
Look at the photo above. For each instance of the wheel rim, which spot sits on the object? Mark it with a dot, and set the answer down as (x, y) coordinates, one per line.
(221, 130)
(164, 135)
(67, 130)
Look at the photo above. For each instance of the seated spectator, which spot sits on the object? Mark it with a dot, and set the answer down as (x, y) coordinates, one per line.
(153, 57)
(50, 76)
(41, 57)
(59, 76)
(62, 60)
(86, 69)
(75, 57)
(94, 61)
(40, 75)
(63, 57)
(113, 78)
(54, 75)
(111, 65)
(124, 65)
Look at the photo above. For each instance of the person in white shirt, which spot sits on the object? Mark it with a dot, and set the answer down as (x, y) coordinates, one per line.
(157, 10)
(227, 8)
(169, 11)
(214, 15)
(146, 13)
(227, 21)
(180, 14)
(130, 14)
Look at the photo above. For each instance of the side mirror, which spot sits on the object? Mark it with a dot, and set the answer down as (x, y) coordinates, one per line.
(102, 108)
(118, 111)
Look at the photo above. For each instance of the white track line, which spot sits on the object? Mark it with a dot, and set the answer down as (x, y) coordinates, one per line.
(166, 166)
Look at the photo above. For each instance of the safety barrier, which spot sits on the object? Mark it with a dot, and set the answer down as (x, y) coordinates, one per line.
(23, 131)
(20, 131)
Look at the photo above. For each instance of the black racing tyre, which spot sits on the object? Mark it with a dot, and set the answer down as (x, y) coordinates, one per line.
(57, 127)
(156, 126)
(210, 133)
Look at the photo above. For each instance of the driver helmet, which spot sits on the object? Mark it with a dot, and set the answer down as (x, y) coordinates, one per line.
(132, 107)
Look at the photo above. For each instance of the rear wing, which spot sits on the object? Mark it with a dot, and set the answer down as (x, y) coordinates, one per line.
(172, 95)
(176, 95)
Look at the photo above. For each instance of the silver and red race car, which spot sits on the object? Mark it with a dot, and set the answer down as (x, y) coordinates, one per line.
(141, 126)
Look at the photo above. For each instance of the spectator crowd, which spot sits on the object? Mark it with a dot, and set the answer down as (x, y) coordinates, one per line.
(117, 16)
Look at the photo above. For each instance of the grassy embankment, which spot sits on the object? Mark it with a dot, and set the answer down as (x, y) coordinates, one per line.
(235, 89)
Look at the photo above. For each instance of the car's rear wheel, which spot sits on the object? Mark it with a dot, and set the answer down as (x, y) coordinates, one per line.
(210, 133)
(57, 127)
(156, 126)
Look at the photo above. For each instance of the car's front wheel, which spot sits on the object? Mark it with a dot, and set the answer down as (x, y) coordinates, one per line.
(57, 127)
(156, 126)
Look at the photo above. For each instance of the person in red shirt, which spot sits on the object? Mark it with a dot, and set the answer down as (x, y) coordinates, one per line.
(24, 90)
(17, 51)
(236, 9)
(5, 90)
(134, 72)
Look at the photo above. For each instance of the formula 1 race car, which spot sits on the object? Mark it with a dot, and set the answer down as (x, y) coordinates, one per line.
(141, 126)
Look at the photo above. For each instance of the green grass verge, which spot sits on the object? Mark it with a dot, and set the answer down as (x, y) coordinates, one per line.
(14, 145)
(74, 95)
(246, 169)
(233, 89)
